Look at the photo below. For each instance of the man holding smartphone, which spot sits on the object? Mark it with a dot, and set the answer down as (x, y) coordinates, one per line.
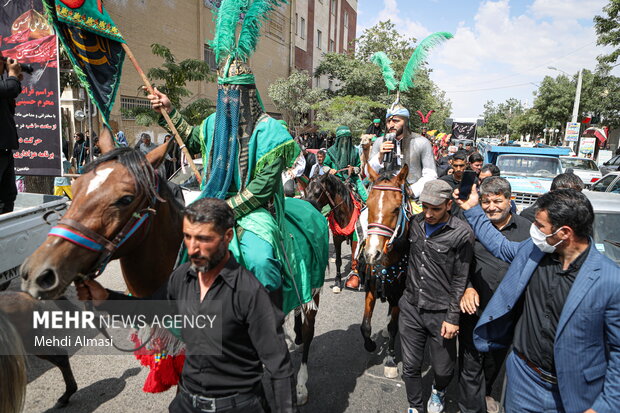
(10, 88)
(441, 250)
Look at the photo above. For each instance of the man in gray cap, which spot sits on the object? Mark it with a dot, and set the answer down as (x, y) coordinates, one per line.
(441, 249)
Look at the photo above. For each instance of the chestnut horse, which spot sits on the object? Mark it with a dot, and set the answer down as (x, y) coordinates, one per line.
(330, 190)
(122, 204)
(385, 255)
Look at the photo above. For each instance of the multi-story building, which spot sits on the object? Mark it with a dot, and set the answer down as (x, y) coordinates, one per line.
(323, 26)
(289, 40)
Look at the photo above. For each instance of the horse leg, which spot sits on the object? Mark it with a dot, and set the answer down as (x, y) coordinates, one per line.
(338, 247)
(308, 335)
(390, 368)
(366, 327)
(61, 361)
(298, 329)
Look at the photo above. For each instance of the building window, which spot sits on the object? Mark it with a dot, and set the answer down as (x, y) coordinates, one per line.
(319, 39)
(346, 18)
(132, 102)
(332, 46)
(296, 24)
(210, 57)
(333, 6)
(302, 28)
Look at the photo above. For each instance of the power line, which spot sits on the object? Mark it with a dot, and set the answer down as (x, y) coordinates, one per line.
(489, 88)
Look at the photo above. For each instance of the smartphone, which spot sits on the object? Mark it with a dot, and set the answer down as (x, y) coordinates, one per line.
(468, 180)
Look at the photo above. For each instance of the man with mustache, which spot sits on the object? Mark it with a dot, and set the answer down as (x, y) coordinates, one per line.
(252, 339)
(408, 147)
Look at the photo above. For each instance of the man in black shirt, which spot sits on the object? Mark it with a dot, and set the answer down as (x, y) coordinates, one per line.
(10, 88)
(478, 371)
(458, 164)
(252, 335)
(441, 249)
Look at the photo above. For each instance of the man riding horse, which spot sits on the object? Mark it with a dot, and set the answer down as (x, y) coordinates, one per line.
(244, 153)
(344, 160)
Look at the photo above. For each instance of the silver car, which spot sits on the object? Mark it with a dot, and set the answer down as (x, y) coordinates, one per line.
(611, 165)
(608, 183)
(606, 223)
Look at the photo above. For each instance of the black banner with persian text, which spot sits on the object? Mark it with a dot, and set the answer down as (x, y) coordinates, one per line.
(463, 130)
(26, 36)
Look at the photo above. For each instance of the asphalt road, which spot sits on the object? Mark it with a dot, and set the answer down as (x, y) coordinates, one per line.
(343, 377)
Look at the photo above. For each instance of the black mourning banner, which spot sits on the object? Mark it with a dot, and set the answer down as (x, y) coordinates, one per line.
(463, 130)
(26, 36)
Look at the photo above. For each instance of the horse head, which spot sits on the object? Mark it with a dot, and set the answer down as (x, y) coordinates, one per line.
(318, 191)
(385, 206)
(111, 200)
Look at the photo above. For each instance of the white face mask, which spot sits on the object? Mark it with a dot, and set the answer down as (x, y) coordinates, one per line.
(540, 239)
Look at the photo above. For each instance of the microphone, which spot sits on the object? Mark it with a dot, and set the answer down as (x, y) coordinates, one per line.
(388, 158)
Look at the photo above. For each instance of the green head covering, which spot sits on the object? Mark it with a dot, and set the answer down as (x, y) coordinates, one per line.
(376, 121)
(343, 131)
(342, 152)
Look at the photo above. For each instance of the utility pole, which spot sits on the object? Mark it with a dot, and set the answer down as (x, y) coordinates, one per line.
(577, 96)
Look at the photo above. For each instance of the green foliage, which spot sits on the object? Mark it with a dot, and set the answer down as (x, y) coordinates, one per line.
(353, 111)
(171, 79)
(383, 37)
(294, 97)
(608, 31)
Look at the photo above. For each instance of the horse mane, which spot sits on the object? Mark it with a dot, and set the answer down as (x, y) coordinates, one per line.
(337, 187)
(136, 163)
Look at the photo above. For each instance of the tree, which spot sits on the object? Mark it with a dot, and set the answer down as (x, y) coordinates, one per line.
(608, 30)
(172, 78)
(294, 97)
(498, 119)
(356, 112)
(355, 75)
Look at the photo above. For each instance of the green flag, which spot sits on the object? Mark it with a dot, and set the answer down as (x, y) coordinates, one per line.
(94, 46)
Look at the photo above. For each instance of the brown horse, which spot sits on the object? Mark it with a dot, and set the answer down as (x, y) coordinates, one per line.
(117, 188)
(330, 190)
(385, 253)
(105, 205)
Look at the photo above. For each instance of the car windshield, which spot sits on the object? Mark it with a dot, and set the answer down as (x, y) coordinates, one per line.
(606, 229)
(583, 164)
(540, 166)
(186, 179)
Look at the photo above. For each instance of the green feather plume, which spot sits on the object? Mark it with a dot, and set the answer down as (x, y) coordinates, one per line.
(223, 44)
(257, 14)
(384, 62)
(419, 56)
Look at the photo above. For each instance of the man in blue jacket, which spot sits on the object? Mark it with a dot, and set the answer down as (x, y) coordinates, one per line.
(559, 307)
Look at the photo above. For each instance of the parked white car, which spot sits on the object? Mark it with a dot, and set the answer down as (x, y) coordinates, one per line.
(606, 208)
(584, 168)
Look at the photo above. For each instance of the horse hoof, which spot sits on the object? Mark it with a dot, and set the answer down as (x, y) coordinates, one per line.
(336, 289)
(390, 372)
(370, 346)
(302, 395)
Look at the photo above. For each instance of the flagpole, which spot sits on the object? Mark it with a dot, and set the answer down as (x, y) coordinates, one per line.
(149, 88)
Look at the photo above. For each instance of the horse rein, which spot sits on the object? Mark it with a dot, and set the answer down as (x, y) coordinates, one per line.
(330, 200)
(83, 236)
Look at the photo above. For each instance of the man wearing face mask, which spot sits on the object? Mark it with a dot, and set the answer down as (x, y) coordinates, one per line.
(558, 305)
(478, 371)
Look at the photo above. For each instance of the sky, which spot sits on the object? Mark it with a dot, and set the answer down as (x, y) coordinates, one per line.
(501, 48)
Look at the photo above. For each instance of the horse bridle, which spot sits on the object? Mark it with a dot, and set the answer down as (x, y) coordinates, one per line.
(83, 236)
(324, 190)
(404, 214)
